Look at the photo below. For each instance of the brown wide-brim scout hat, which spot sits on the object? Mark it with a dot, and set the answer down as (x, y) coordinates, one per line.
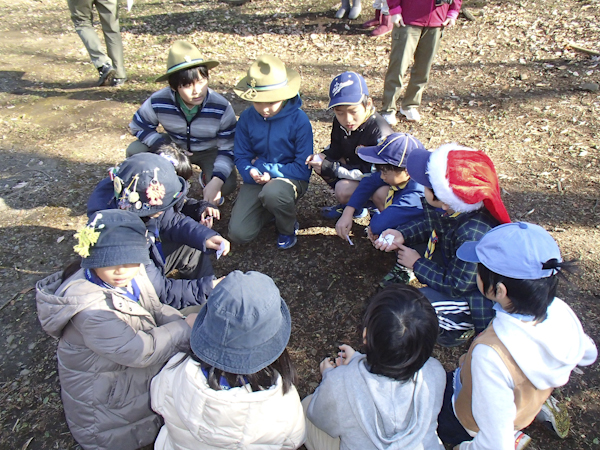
(184, 55)
(268, 80)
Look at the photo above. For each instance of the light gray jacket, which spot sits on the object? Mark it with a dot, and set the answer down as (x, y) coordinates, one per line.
(374, 412)
(110, 348)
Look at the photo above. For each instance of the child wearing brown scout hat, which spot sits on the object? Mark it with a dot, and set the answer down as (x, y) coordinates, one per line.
(272, 141)
(194, 117)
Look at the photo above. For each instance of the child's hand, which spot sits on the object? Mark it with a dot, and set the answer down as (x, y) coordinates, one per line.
(344, 224)
(207, 216)
(191, 319)
(345, 355)
(407, 256)
(372, 237)
(325, 365)
(212, 191)
(397, 20)
(260, 178)
(315, 162)
(215, 243)
(449, 22)
(217, 281)
(384, 246)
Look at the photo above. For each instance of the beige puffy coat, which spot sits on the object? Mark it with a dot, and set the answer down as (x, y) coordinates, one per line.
(200, 418)
(110, 347)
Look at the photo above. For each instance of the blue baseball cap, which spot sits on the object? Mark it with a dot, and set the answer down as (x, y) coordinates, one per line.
(516, 250)
(347, 88)
(394, 150)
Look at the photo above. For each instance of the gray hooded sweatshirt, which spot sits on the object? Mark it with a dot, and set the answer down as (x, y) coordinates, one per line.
(110, 347)
(369, 411)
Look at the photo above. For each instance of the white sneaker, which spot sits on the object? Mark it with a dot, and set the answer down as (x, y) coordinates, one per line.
(411, 114)
(521, 440)
(390, 118)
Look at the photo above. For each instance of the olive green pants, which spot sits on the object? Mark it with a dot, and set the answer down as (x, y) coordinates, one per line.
(258, 204)
(108, 12)
(420, 42)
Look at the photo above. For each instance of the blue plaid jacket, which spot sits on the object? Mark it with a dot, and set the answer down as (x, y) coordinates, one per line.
(455, 278)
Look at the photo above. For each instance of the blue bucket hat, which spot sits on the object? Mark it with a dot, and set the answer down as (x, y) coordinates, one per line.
(112, 238)
(394, 150)
(516, 250)
(348, 88)
(146, 183)
(245, 325)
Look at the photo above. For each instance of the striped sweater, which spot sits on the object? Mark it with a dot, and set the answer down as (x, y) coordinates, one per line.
(212, 127)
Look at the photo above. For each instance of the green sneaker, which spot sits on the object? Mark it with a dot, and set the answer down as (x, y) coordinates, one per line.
(555, 418)
(398, 274)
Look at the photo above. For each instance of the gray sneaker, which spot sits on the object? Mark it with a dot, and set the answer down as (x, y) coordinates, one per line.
(118, 82)
(555, 417)
(106, 75)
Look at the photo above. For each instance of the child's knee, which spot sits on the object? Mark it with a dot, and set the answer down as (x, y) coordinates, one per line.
(344, 190)
(238, 233)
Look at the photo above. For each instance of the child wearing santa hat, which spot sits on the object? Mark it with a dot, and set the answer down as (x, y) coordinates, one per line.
(462, 203)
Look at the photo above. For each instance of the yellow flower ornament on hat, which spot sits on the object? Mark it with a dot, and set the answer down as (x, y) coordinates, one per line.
(184, 55)
(268, 80)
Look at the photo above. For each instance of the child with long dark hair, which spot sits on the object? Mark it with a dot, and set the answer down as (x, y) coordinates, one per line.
(236, 388)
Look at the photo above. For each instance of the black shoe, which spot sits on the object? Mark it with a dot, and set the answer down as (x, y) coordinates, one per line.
(107, 73)
(454, 338)
(118, 82)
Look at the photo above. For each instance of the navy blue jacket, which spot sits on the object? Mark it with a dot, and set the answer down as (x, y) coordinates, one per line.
(173, 226)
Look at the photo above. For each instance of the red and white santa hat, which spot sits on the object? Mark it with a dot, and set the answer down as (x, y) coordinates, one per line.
(465, 179)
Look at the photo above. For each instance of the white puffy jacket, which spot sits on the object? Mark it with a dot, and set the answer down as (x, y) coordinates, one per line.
(200, 418)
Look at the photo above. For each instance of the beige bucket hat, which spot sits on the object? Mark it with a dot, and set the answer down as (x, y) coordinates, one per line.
(268, 80)
(184, 55)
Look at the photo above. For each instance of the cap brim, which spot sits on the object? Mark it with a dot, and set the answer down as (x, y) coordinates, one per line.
(468, 252)
(344, 101)
(290, 90)
(209, 63)
(369, 154)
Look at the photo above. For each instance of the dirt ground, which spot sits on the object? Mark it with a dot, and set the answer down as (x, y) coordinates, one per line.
(508, 83)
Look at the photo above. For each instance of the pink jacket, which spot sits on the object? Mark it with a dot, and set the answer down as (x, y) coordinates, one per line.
(424, 13)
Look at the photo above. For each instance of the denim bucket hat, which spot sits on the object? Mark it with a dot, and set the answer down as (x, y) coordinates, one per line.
(245, 325)
(112, 238)
(146, 183)
(516, 250)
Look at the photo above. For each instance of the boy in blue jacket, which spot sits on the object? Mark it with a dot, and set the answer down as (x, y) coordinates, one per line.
(147, 185)
(272, 141)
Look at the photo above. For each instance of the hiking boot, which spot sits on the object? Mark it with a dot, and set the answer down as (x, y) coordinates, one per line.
(411, 114)
(454, 338)
(106, 74)
(521, 440)
(285, 241)
(555, 418)
(335, 212)
(399, 274)
(118, 82)
(390, 118)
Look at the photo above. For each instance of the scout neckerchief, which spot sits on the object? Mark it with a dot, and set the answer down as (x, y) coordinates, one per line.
(135, 295)
(392, 191)
(433, 240)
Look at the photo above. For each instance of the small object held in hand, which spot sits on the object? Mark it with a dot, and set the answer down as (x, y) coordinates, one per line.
(318, 157)
(221, 250)
(349, 240)
(388, 239)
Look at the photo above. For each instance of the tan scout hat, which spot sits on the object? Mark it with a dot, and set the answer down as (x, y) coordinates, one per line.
(183, 55)
(268, 80)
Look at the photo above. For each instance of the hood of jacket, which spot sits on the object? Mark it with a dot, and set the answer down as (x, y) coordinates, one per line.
(547, 351)
(234, 418)
(55, 310)
(392, 426)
